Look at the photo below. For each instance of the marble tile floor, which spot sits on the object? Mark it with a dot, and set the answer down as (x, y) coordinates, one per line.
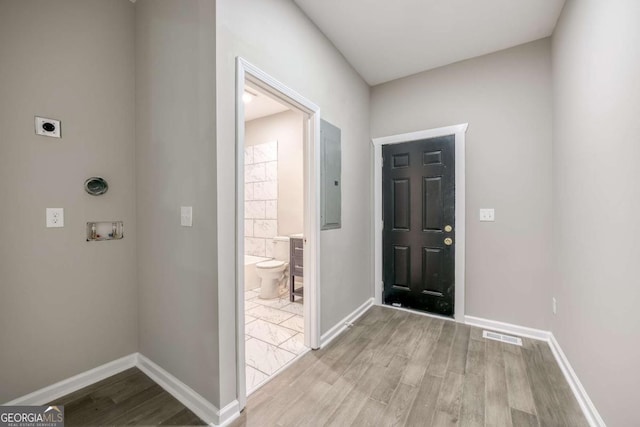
(274, 335)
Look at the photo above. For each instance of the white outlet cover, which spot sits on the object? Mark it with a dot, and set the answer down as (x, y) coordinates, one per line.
(487, 214)
(186, 216)
(42, 124)
(55, 217)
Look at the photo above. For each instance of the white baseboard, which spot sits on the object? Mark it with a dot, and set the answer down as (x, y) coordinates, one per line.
(187, 396)
(64, 387)
(200, 406)
(342, 325)
(508, 328)
(229, 413)
(222, 417)
(588, 408)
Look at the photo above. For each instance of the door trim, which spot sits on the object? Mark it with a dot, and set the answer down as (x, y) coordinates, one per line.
(459, 131)
(247, 72)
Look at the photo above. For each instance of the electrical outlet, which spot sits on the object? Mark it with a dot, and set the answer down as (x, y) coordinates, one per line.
(554, 305)
(487, 215)
(186, 216)
(55, 217)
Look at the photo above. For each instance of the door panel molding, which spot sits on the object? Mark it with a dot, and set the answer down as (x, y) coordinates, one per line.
(432, 219)
(459, 132)
(401, 196)
(401, 266)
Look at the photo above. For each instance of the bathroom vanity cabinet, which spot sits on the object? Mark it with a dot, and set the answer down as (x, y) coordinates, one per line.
(296, 257)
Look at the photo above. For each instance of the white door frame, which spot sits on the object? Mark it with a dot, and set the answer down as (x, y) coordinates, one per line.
(459, 131)
(247, 72)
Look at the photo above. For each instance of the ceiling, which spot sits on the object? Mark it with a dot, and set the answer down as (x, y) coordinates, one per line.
(261, 105)
(388, 39)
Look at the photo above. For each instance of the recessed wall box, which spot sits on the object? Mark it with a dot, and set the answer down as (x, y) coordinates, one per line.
(105, 230)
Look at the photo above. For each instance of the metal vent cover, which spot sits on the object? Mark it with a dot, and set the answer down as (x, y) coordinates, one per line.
(502, 338)
(96, 186)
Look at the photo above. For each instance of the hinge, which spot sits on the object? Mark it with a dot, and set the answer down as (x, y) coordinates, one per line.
(383, 162)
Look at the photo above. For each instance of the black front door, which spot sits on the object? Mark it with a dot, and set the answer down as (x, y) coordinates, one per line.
(418, 196)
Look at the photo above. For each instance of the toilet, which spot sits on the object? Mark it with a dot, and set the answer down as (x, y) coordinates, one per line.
(272, 272)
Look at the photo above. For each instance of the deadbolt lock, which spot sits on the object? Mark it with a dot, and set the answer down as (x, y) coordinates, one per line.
(448, 228)
(448, 241)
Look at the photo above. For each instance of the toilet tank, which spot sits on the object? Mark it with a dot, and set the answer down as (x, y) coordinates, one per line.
(281, 248)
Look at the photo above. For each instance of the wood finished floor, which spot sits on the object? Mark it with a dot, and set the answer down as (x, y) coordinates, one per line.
(128, 398)
(394, 368)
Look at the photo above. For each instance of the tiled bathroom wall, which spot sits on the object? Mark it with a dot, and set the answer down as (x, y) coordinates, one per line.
(260, 198)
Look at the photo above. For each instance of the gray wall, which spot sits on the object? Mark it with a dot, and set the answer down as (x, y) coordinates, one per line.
(287, 129)
(596, 64)
(298, 55)
(175, 164)
(66, 305)
(506, 99)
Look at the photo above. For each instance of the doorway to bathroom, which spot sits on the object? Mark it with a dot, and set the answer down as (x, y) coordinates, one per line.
(277, 227)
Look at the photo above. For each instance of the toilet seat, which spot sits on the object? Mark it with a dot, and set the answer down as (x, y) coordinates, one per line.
(270, 264)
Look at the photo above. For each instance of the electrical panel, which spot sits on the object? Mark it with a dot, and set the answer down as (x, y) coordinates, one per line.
(331, 176)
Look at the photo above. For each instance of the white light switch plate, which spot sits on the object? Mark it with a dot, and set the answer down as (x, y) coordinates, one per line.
(186, 216)
(487, 214)
(55, 217)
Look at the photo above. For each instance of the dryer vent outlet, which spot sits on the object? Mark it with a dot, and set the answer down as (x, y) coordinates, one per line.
(48, 127)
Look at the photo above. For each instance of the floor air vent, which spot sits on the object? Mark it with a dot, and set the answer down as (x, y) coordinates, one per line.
(503, 338)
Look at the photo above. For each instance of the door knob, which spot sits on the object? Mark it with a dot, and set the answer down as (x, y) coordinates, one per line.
(448, 228)
(448, 241)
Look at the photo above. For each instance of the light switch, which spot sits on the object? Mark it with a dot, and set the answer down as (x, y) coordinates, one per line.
(487, 214)
(55, 217)
(186, 216)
